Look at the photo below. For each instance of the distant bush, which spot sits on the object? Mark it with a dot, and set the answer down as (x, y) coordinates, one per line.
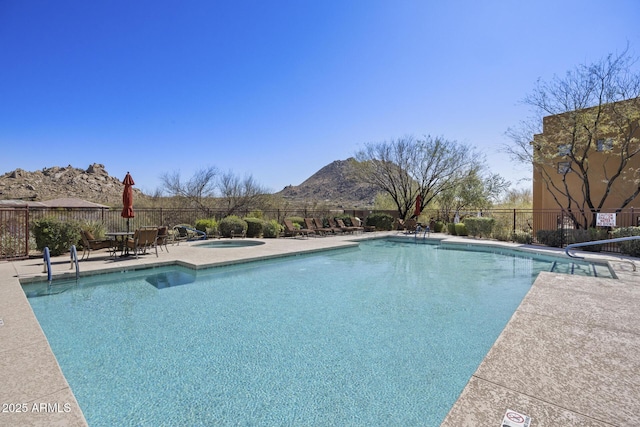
(588, 235)
(255, 214)
(461, 230)
(381, 221)
(57, 235)
(209, 226)
(232, 225)
(631, 247)
(478, 226)
(551, 238)
(255, 227)
(451, 228)
(438, 226)
(522, 237)
(271, 229)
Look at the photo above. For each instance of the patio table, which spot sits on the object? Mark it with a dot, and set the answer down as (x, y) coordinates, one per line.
(120, 237)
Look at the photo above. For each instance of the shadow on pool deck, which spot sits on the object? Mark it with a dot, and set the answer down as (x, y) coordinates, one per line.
(570, 355)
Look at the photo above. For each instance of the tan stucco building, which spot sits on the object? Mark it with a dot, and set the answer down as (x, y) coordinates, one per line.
(601, 143)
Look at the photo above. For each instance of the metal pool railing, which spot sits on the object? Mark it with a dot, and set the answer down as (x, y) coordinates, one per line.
(601, 242)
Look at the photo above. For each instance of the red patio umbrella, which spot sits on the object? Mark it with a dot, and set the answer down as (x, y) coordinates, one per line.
(418, 206)
(127, 199)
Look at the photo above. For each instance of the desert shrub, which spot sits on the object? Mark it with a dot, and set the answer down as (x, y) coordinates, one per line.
(588, 235)
(255, 227)
(232, 225)
(478, 226)
(631, 247)
(381, 221)
(451, 228)
(461, 230)
(9, 244)
(502, 234)
(207, 225)
(438, 226)
(57, 235)
(551, 238)
(255, 214)
(522, 237)
(271, 229)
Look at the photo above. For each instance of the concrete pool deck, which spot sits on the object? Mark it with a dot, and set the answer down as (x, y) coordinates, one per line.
(570, 354)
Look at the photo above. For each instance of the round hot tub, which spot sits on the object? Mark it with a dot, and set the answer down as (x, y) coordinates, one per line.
(229, 244)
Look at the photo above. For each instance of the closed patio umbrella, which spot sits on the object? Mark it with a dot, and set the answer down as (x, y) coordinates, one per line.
(127, 199)
(418, 206)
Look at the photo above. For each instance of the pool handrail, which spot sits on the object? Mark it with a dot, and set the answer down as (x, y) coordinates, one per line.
(74, 259)
(47, 262)
(600, 242)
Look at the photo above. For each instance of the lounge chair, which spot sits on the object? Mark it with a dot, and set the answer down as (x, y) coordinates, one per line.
(345, 228)
(399, 225)
(326, 230)
(308, 222)
(184, 233)
(410, 226)
(144, 238)
(357, 224)
(336, 227)
(90, 243)
(291, 231)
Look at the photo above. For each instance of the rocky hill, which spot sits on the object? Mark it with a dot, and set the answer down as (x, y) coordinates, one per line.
(335, 184)
(93, 184)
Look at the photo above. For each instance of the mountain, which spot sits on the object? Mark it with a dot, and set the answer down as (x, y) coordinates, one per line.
(93, 184)
(335, 184)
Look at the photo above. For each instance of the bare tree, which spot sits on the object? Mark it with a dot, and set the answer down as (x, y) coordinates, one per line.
(406, 167)
(239, 194)
(592, 108)
(197, 190)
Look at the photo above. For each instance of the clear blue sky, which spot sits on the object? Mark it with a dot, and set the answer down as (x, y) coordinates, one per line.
(278, 89)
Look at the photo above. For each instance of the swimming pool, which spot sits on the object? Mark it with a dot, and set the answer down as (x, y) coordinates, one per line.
(387, 334)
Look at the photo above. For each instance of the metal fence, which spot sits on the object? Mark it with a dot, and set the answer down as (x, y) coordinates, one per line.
(15, 222)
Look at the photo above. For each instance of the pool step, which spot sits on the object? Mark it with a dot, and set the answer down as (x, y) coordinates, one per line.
(590, 269)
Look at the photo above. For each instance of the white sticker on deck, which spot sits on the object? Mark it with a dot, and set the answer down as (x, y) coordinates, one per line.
(515, 419)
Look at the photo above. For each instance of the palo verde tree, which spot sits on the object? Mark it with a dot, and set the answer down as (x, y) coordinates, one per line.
(591, 120)
(407, 167)
(478, 191)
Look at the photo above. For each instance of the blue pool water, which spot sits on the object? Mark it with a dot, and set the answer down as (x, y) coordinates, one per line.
(386, 334)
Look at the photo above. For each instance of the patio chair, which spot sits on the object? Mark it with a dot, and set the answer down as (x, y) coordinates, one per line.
(336, 227)
(308, 222)
(326, 230)
(163, 237)
(184, 233)
(291, 231)
(357, 224)
(144, 238)
(180, 234)
(410, 226)
(90, 243)
(345, 228)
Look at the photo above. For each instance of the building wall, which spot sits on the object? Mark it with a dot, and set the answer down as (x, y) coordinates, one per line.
(562, 129)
